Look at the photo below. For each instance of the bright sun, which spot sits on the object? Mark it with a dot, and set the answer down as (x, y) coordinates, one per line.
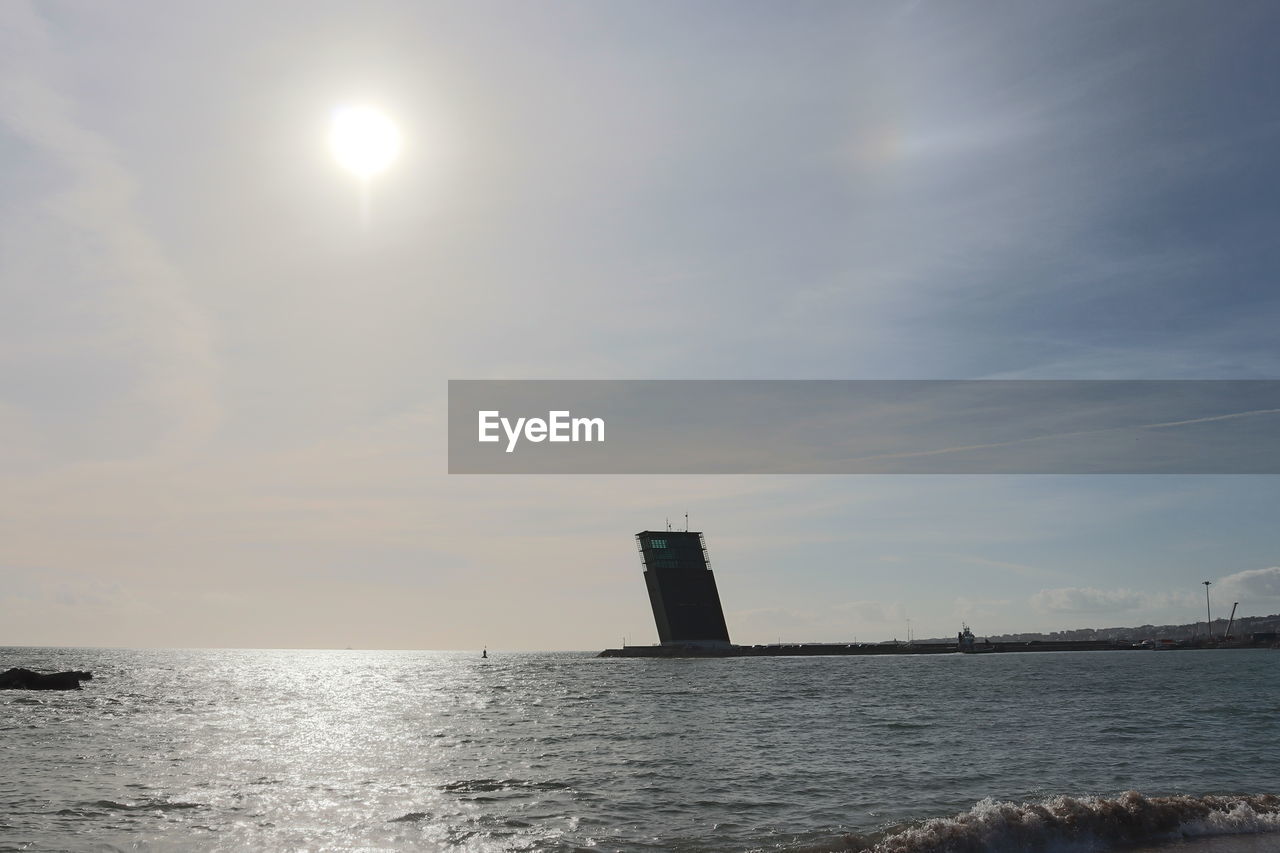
(364, 140)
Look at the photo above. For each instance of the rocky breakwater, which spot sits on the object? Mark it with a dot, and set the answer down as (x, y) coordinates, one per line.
(25, 679)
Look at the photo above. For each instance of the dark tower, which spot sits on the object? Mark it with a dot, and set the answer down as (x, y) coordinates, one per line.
(682, 590)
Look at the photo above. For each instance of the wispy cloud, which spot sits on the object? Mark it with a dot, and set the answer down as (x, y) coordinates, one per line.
(1251, 585)
(1016, 568)
(1144, 603)
(1086, 600)
(980, 608)
(872, 612)
(148, 317)
(1052, 436)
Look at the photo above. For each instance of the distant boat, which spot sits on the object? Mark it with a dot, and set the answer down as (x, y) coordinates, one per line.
(485, 653)
(967, 644)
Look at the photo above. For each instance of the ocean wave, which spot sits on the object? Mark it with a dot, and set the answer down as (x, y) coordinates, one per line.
(142, 806)
(484, 785)
(1073, 825)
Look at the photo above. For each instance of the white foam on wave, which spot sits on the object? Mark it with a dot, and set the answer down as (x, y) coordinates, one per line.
(1065, 824)
(1242, 819)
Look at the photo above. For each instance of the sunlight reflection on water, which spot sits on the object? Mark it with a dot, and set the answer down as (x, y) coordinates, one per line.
(239, 749)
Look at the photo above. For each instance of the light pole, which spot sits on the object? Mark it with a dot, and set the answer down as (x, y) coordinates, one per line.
(1207, 617)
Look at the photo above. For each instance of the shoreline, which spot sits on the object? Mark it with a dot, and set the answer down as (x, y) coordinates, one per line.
(843, 649)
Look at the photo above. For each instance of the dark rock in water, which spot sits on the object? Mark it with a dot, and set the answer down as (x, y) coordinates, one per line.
(25, 679)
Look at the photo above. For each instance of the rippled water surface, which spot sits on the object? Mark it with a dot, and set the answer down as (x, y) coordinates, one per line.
(335, 750)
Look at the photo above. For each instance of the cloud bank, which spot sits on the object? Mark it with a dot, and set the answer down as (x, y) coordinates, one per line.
(1252, 585)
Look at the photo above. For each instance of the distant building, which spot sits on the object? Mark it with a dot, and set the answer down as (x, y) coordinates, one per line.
(682, 589)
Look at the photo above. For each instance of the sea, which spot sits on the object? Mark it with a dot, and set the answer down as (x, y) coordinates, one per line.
(306, 750)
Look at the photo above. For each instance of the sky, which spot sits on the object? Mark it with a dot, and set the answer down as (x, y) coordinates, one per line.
(222, 388)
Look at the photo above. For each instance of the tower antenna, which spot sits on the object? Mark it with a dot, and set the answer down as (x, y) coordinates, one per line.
(1207, 615)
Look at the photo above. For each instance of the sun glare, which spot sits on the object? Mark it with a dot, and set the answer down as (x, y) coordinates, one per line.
(364, 140)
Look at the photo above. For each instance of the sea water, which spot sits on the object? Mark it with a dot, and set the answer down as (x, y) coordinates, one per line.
(379, 750)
